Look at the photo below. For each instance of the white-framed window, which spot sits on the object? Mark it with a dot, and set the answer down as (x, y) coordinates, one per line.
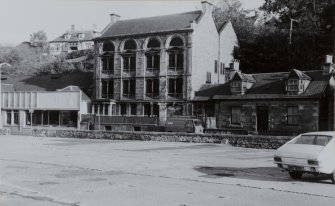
(293, 85)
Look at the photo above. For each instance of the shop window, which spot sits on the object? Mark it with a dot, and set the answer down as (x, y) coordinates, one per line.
(151, 110)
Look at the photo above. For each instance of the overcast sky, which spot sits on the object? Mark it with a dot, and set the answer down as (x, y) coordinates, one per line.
(20, 18)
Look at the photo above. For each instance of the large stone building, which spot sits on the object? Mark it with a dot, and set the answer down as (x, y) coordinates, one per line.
(271, 103)
(73, 40)
(151, 67)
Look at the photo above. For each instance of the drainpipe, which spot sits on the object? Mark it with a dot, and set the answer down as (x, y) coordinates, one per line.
(219, 60)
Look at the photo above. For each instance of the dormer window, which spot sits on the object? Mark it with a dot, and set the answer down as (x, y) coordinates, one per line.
(293, 85)
(236, 86)
(81, 36)
(297, 82)
(67, 36)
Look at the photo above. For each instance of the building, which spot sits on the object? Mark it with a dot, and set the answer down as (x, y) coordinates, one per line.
(271, 103)
(150, 68)
(44, 101)
(73, 40)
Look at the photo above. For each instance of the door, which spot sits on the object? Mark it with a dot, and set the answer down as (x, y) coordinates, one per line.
(262, 119)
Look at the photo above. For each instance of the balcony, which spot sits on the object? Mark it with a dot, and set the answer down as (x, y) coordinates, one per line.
(132, 120)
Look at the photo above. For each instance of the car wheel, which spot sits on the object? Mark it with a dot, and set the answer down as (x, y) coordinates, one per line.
(295, 174)
(332, 177)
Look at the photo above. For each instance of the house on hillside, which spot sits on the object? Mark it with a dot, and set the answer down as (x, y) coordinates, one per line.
(73, 40)
(271, 103)
(148, 69)
(45, 101)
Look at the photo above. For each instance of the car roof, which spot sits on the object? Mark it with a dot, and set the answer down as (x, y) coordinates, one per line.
(330, 133)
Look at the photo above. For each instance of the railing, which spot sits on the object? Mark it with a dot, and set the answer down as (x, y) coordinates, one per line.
(134, 120)
(176, 95)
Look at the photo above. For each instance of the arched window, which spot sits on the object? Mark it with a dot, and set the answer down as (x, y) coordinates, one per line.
(129, 56)
(152, 55)
(107, 58)
(108, 47)
(176, 54)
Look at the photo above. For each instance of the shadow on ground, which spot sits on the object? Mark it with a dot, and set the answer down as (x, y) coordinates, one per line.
(257, 173)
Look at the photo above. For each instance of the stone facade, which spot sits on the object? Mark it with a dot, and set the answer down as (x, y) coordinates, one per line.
(308, 115)
(194, 51)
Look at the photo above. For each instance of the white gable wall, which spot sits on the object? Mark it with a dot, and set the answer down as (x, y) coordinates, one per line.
(204, 52)
(228, 40)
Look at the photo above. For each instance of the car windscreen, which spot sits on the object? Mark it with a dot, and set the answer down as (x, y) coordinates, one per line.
(322, 140)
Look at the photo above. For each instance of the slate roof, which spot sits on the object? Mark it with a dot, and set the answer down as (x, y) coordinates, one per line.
(84, 80)
(221, 25)
(89, 36)
(155, 24)
(268, 86)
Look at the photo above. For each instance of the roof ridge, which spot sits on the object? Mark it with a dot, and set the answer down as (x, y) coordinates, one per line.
(194, 11)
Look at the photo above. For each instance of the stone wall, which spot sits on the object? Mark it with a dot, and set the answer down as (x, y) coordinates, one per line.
(308, 115)
(248, 141)
(4, 131)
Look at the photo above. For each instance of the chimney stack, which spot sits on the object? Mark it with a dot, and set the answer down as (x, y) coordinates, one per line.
(235, 65)
(114, 18)
(328, 66)
(207, 7)
(72, 28)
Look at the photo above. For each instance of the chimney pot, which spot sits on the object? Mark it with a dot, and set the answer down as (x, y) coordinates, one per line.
(207, 7)
(114, 18)
(72, 27)
(329, 59)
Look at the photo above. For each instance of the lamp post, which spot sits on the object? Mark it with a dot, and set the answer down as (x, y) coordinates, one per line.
(291, 28)
(1, 64)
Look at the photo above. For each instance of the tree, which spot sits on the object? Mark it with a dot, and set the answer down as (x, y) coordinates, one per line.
(310, 36)
(39, 39)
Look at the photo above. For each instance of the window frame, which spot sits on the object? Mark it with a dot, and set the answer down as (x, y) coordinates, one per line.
(129, 93)
(236, 115)
(293, 119)
(293, 85)
(177, 91)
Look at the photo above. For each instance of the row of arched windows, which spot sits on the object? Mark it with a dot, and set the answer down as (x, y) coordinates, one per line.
(131, 45)
(152, 54)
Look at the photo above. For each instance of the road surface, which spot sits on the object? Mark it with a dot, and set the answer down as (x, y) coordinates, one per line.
(37, 171)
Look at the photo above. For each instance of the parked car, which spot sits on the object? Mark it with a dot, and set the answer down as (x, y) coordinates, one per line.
(312, 152)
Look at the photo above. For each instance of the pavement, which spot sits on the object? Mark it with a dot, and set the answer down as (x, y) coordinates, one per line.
(36, 171)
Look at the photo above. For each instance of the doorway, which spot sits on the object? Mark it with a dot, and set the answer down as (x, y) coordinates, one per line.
(262, 118)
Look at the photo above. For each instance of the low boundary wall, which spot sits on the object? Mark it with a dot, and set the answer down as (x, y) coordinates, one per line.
(248, 141)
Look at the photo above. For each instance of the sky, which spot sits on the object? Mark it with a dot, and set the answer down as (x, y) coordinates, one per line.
(20, 18)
